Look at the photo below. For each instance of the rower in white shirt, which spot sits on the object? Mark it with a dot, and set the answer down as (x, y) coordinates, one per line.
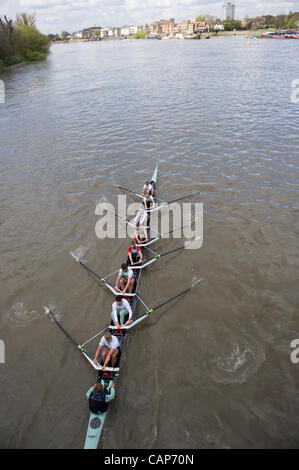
(120, 309)
(125, 279)
(140, 234)
(148, 201)
(110, 344)
(148, 187)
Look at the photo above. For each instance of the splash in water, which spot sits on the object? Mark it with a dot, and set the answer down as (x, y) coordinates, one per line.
(78, 254)
(20, 316)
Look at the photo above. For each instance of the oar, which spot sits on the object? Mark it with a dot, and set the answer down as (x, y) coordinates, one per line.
(87, 268)
(79, 346)
(157, 256)
(129, 191)
(137, 194)
(48, 312)
(184, 197)
(154, 309)
(119, 217)
(102, 279)
(174, 297)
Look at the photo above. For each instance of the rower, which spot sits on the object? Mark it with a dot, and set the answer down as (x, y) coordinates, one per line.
(125, 279)
(148, 201)
(134, 254)
(110, 351)
(120, 310)
(99, 396)
(141, 225)
(148, 187)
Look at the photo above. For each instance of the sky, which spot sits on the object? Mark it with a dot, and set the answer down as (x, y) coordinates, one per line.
(54, 16)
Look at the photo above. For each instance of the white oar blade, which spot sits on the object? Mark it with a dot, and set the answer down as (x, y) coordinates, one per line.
(75, 258)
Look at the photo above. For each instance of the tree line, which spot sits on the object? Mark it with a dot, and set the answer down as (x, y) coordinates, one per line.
(20, 40)
(287, 22)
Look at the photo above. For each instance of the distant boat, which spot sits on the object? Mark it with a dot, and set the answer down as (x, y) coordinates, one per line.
(192, 36)
(153, 37)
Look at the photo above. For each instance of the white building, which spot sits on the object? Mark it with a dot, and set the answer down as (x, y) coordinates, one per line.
(219, 27)
(133, 30)
(104, 33)
(230, 11)
(78, 35)
(125, 31)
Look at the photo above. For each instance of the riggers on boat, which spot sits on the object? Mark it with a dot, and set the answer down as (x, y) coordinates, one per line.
(96, 421)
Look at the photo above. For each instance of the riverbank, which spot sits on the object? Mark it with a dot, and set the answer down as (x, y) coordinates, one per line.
(244, 33)
(247, 32)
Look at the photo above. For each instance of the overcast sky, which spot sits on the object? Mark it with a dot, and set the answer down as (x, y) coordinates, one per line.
(57, 15)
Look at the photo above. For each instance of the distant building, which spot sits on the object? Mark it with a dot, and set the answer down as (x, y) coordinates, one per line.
(168, 26)
(125, 30)
(104, 32)
(163, 26)
(246, 22)
(184, 27)
(78, 35)
(230, 11)
(202, 27)
(133, 30)
(144, 28)
(218, 26)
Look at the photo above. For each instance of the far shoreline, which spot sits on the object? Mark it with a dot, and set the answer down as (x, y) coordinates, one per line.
(205, 35)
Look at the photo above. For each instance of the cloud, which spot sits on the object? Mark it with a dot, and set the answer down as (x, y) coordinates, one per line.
(71, 15)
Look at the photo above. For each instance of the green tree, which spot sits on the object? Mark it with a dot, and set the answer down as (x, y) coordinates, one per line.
(30, 43)
(53, 37)
(230, 25)
(6, 39)
(281, 21)
(23, 19)
(292, 24)
(64, 35)
(200, 19)
(140, 35)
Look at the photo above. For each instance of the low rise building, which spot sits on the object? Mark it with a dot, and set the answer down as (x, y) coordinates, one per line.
(104, 32)
(202, 27)
(125, 30)
(133, 30)
(144, 28)
(218, 26)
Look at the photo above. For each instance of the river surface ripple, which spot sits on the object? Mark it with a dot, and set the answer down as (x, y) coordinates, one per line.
(212, 370)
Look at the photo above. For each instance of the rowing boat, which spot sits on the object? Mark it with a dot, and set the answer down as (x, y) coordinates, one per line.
(108, 377)
(96, 421)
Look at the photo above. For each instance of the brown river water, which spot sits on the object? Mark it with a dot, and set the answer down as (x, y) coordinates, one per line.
(213, 369)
